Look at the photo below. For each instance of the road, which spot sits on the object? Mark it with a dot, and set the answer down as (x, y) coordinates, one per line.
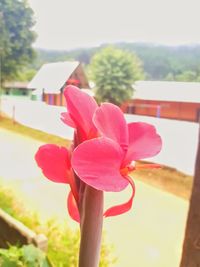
(150, 235)
(179, 137)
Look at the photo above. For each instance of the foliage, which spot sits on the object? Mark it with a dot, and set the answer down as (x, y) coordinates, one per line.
(16, 22)
(188, 76)
(45, 56)
(114, 72)
(26, 74)
(159, 62)
(62, 241)
(26, 256)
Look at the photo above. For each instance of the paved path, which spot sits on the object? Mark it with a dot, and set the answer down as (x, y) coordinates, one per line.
(179, 137)
(150, 235)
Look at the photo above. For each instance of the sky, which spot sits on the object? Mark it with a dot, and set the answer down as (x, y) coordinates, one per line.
(65, 25)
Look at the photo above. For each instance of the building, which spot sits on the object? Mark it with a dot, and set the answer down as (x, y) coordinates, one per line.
(16, 88)
(173, 100)
(51, 79)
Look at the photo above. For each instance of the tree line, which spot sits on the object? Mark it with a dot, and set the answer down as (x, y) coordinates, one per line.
(20, 61)
(178, 63)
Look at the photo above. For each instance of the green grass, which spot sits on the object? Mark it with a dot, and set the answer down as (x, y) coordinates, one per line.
(167, 179)
(8, 124)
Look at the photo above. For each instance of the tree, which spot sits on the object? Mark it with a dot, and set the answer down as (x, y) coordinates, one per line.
(187, 76)
(16, 37)
(114, 71)
(26, 74)
(191, 246)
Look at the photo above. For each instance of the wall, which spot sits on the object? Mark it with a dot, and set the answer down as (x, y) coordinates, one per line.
(164, 109)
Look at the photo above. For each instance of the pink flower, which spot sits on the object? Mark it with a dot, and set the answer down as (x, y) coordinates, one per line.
(105, 162)
(81, 108)
(55, 161)
(100, 159)
(102, 162)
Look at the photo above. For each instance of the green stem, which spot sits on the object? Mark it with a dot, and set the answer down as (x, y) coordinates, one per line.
(91, 227)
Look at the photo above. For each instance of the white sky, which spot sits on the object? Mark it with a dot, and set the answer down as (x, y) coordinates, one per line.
(64, 24)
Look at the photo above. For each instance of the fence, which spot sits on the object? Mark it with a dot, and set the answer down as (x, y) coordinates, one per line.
(14, 232)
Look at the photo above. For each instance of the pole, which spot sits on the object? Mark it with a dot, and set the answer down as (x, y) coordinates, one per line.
(0, 82)
(191, 245)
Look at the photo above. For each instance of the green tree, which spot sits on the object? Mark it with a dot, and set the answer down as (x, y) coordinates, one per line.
(26, 74)
(186, 76)
(113, 72)
(16, 37)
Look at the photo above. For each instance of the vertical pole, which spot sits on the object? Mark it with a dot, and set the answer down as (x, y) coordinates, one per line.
(13, 114)
(191, 245)
(0, 82)
(158, 111)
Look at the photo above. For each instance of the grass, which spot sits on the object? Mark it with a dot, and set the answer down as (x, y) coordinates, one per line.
(38, 135)
(166, 178)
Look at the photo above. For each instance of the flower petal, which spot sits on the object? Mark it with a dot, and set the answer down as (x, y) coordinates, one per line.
(97, 163)
(144, 142)
(65, 117)
(110, 121)
(81, 108)
(54, 162)
(72, 208)
(120, 209)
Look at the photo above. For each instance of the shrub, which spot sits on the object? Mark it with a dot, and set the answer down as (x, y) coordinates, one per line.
(26, 256)
(63, 243)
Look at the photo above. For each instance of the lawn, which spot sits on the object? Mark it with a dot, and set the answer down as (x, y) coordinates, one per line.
(8, 124)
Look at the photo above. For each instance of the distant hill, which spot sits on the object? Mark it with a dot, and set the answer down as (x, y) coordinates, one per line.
(159, 62)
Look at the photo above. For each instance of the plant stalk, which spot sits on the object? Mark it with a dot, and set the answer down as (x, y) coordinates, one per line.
(91, 212)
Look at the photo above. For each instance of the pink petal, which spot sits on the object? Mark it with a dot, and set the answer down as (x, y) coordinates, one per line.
(54, 162)
(97, 163)
(119, 209)
(110, 121)
(72, 208)
(144, 142)
(81, 108)
(65, 117)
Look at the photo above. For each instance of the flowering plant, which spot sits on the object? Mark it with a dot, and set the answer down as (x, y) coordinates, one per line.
(100, 159)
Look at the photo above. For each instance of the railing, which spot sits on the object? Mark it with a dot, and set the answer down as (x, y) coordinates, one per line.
(13, 232)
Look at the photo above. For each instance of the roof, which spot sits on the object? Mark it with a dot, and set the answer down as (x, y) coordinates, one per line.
(52, 76)
(167, 91)
(16, 84)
